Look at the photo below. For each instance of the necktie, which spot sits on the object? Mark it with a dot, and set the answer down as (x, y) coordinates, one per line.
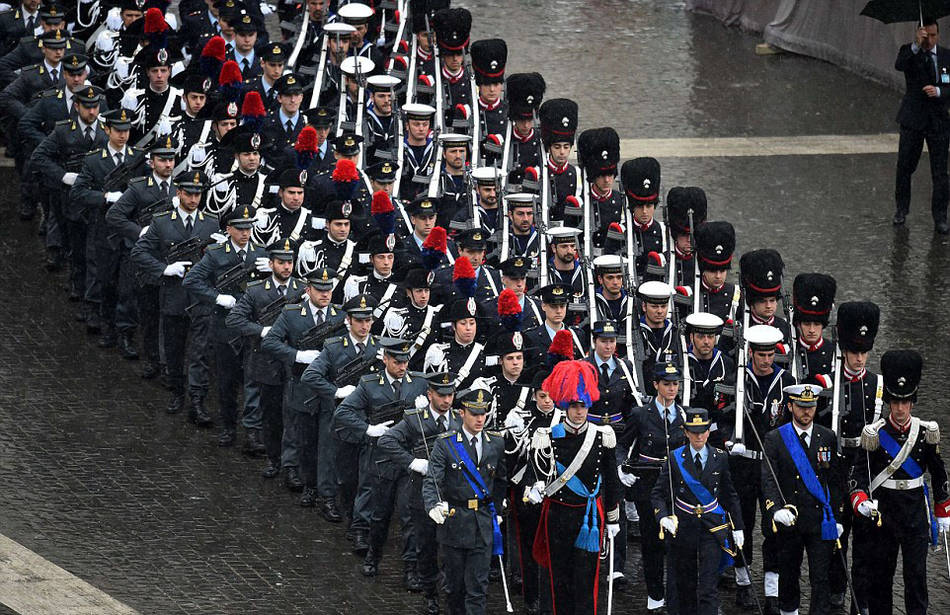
(290, 126)
(54, 75)
(931, 63)
(245, 65)
(360, 347)
(604, 373)
(699, 462)
(475, 448)
(164, 188)
(283, 291)
(397, 387)
(118, 158)
(188, 225)
(31, 24)
(242, 254)
(320, 317)
(89, 134)
(441, 422)
(804, 438)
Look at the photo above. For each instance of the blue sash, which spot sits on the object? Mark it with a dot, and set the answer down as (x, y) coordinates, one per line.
(705, 499)
(913, 469)
(588, 539)
(829, 527)
(477, 483)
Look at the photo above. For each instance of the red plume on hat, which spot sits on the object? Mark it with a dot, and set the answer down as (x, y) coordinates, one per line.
(572, 381)
(231, 82)
(345, 176)
(383, 212)
(156, 28)
(509, 310)
(464, 277)
(561, 348)
(306, 147)
(253, 113)
(212, 57)
(434, 248)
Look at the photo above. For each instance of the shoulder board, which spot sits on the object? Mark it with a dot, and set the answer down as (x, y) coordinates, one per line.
(931, 431)
(161, 215)
(448, 434)
(93, 154)
(413, 411)
(29, 38)
(216, 246)
(255, 283)
(497, 434)
(138, 180)
(208, 215)
(48, 93)
(292, 306)
(33, 68)
(369, 377)
(8, 11)
(65, 122)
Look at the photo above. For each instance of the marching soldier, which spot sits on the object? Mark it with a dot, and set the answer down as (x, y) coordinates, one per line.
(514, 275)
(576, 482)
(640, 179)
(761, 275)
(422, 215)
(452, 27)
(652, 431)
(246, 184)
(255, 314)
(523, 238)
(610, 295)
(894, 510)
(564, 266)
(707, 366)
(695, 482)
(453, 189)
(554, 300)
(159, 260)
(336, 249)
(680, 202)
(558, 117)
(660, 338)
(484, 212)
(409, 444)
(379, 283)
(463, 491)
(413, 317)
(804, 467)
(282, 127)
(379, 121)
(488, 68)
(510, 395)
(194, 127)
(715, 243)
(159, 100)
(419, 151)
(471, 246)
(524, 92)
(272, 62)
(288, 218)
(308, 441)
(219, 280)
(461, 354)
(814, 295)
(599, 152)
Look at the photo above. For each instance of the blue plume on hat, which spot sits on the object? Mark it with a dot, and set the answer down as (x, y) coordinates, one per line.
(464, 277)
(572, 381)
(434, 248)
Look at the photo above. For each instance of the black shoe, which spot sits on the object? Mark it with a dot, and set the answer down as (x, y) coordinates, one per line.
(198, 415)
(93, 324)
(309, 497)
(175, 404)
(226, 437)
(370, 567)
(744, 598)
(330, 511)
(128, 351)
(771, 606)
(54, 259)
(271, 471)
(412, 582)
(900, 218)
(150, 370)
(360, 546)
(432, 605)
(292, 480)
(253, 445)
(837, 600)
(941, 228)
(108, 339)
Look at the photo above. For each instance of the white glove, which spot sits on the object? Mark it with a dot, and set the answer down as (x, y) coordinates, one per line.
(318, 223)
(421, 402)
(261, 218)
(265, 331)
(482, 383)
(439, 512)
(840, 529)
(394, 322)
(305, 356)
(514, 420)
(225, 301)
(613, 529)
(163, 126)
(670, 524)
(219, 238)
(499, 519)
(70, 178)
(263, 264)
(4, 7)
(105, 42)
(435, 358)
(266, 9)
(344, 392)
(943, 524)
(738, 537)
(176, 269)
(419, 465)
(143, 231)
(535, 494)
(785, 517)
(114, 19)
(112, 197)
(628, 480)
(130, 99)
(867, 507)
(737, 449)
(198, 155)
(375, 431)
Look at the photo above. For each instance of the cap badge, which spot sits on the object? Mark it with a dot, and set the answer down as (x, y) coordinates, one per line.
(206, 84)
(646, 184)
(287, 247)
(901, 381)
(609, 328)
(517, 340)
(494, 64)
(277, 50)
(168, 142)
(604, 154)
(362, 301)
(519, 262)
(162, 55)
(75, 61)
(303, 177)
(719, 249)
(390, 242)
(769, 275)
(123, 117)
(90, 93)
(565, 122)
(349, 142)
(557, 291)
(324, 277)
(247, 213)
(481, 396)
(255, 140)
(430, 277)
(197, 177)
(477, 236)
(863, 330)
(814, 300)
(232, 108)
(470, 306)
(670, 368)
(246, 19)
(529, 99)
(347, 209)
(291, 80)
(387, 168)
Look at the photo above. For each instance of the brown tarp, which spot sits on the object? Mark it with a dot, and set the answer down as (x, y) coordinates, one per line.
(831, 30)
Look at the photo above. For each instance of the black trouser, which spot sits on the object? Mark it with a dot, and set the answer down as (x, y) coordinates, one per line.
(317, 448)
(229, 368)
(911, 540)
(837, 577)
(466, 578)
(354, 486)
(651, 549)
(427, 546)
(747, 478)
(148, 306)
(175, 339)
(525, 516)
(573, 572)
(694, 557)
(793, 544)
(76, 234)
(182, 336)
(908, 155)
(119, 303)
(272, 428)
(389, 496)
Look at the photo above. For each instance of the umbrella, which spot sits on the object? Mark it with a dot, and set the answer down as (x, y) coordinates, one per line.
(892, 11)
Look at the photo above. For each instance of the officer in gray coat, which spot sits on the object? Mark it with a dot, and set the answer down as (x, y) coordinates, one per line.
(463, 492)
(174, 241)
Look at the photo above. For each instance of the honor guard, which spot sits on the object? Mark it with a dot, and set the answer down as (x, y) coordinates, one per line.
(254, 315)
(558, 118)
(409, 445)
(471, 247)
(510, 394)
(194, 127)
(20, 20)
(652, 431)
(610, 295)
(281, 128)
(273, 59)
(243, 51)
(803, 484)
(158, 100)
(217, 281)
(214, 155)
(575, 472)
(453, 189)
(598, 150)
(30, 49)
(418, 151)
(288, 218)
(173, 243)
(640, 179)
(452, 27)
(523, 238)
(708, 367)
(461, 354)
(307, 325)
(686, 208)
(422, 216)
(379, 283)
(554, 300)
(715, 244)
(514, 274)
(525, 92)
(379, 121)
(334, 376)
(894, 509)
(488, 67)
(321, 118)
(696, 505)
(245, 185)
(382, 176)
(659, 334)
(762, 411)
(484, 212)
(564, 266)
(760, 272)
(359, 15)
(412, 316)
(814, 295)
(335, 250)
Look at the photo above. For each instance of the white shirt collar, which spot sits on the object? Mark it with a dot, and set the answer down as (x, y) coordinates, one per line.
(469, 436)
(184, 214)
(799, 431)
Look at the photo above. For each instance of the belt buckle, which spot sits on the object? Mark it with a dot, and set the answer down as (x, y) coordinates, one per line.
(473, 505)
(902, 485)
(698, 510)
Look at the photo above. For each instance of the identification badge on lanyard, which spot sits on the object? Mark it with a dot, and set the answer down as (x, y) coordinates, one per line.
(944, 77)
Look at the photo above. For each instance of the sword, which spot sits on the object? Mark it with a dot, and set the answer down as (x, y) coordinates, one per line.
(669, 463)
(745, 564)
(504, 585)
(768, 463)
(428, 454)
(610, 578)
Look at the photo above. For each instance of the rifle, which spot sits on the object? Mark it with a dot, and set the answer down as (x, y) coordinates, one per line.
(268, 315)
(392, 411)
(317, 335)
(73, 164)
(146, 213)
(191, 249)
(355, 369)
(118, 177)
(234, 278)
(742, 353)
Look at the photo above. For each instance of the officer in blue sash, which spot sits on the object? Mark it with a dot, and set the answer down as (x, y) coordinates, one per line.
(463, 492)
(894, 508)
(703, 520)
(803, 484)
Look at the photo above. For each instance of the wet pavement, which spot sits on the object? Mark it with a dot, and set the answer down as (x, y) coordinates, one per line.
(99, 480)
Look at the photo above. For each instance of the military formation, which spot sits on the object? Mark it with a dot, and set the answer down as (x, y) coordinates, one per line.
(411, 303)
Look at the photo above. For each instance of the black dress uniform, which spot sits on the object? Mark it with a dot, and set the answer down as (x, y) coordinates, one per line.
(524, 92)
(558, 118)
(202, 282)
(467, 361)
(813, 296)
(784, 484)
(705, 374)
(705, 528)
(467, 537)
(281, 131)
(908, 514)
(659, 346)
(15, 23)
(29, 52)
(715, 244)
